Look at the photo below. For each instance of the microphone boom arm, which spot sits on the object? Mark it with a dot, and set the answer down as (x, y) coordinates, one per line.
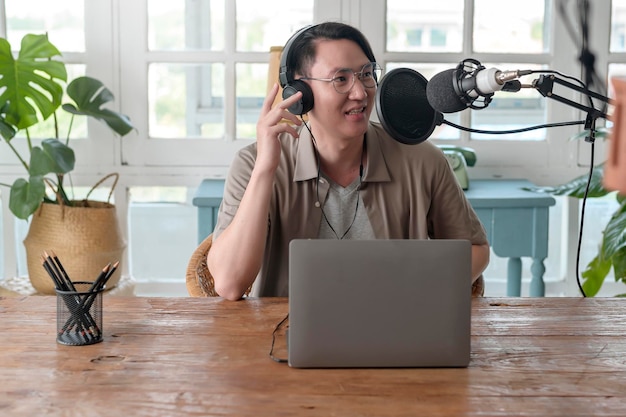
(544, 84)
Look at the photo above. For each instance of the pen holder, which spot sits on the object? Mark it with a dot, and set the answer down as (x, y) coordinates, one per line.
(79, 315)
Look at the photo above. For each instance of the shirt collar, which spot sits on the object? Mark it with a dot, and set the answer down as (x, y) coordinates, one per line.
(306, 161)
(376, 169)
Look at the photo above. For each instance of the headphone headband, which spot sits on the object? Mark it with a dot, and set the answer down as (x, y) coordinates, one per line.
(285, 76)
(287, 82)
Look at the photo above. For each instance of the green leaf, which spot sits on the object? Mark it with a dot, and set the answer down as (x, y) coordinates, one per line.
(594, 275)
(576, 187)
(28, 83)
(90, 95)
(601, 133)
(53, 157)
(25, 197)
(619, 265)
(614, 235)
(6, 130)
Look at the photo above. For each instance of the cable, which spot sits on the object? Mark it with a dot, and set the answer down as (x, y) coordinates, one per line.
(582, 221)
(560, 74)
(317, 186)
(581, 37)
(317, 156)
(525, 129)
(271, 353)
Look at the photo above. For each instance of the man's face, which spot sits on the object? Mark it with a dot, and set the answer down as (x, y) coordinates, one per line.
(345, 115)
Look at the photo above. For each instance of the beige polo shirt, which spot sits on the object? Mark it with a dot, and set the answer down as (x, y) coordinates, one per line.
(409, 192)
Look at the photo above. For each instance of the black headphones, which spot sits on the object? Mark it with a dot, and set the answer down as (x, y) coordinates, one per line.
(287, 82)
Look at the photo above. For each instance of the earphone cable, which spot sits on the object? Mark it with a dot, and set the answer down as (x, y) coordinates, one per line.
(278, 326)
(317, 157)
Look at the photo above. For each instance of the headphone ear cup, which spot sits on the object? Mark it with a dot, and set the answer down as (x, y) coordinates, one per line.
(305, 104)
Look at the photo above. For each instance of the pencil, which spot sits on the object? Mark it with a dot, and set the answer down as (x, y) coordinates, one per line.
(57, 282)
(66, 277)
(109, 274)
(100, 277)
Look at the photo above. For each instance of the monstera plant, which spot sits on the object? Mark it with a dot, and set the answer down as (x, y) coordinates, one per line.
(32, 89)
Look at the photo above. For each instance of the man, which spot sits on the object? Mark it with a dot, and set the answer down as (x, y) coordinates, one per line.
(339, 176)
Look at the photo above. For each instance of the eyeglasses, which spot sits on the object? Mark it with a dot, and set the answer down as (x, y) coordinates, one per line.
(343, 80)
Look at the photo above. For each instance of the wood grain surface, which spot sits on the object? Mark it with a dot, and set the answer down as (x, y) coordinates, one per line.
(208, 356)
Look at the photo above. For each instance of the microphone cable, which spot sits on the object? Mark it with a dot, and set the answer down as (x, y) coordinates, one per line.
(582, 220)
(578, 30)
(586, 59)
(591, 78)
(560, 74)
(503, 132)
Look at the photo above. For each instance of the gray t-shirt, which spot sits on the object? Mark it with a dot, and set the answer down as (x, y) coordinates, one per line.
(343, 213)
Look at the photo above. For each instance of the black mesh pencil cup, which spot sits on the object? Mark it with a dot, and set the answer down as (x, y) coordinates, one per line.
(79, 315)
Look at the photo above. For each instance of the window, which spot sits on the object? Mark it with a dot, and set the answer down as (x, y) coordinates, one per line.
(63, 25)
(618, 26)
(493, 31)
(192, 75)
(414, 37)
(438, 38)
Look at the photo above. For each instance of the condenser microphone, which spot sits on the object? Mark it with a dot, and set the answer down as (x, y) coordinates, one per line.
(471, 85)
(402, 106)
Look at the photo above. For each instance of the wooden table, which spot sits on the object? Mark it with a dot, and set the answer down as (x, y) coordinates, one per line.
(206, 356)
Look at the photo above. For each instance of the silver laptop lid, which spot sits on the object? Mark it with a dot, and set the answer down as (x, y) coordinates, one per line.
(379, 303)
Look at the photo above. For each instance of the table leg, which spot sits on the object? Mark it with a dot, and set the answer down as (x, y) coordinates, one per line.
(537, 286)
(514, 278)
(207, 216)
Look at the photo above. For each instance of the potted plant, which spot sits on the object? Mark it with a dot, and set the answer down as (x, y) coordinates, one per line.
(612, 249)
(32, 90)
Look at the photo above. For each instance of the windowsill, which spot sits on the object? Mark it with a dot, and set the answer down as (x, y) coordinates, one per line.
(19, 286)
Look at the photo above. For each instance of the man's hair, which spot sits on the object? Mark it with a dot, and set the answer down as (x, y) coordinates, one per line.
(303, 51)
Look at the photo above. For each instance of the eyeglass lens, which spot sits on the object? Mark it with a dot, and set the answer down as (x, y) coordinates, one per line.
(344, 78)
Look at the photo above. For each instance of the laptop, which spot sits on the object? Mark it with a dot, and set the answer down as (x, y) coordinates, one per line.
(379, 303)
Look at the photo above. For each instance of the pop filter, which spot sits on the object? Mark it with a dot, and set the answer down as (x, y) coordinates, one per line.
(402, 106)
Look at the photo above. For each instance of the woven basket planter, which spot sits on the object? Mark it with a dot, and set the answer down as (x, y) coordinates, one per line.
(85, 237)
